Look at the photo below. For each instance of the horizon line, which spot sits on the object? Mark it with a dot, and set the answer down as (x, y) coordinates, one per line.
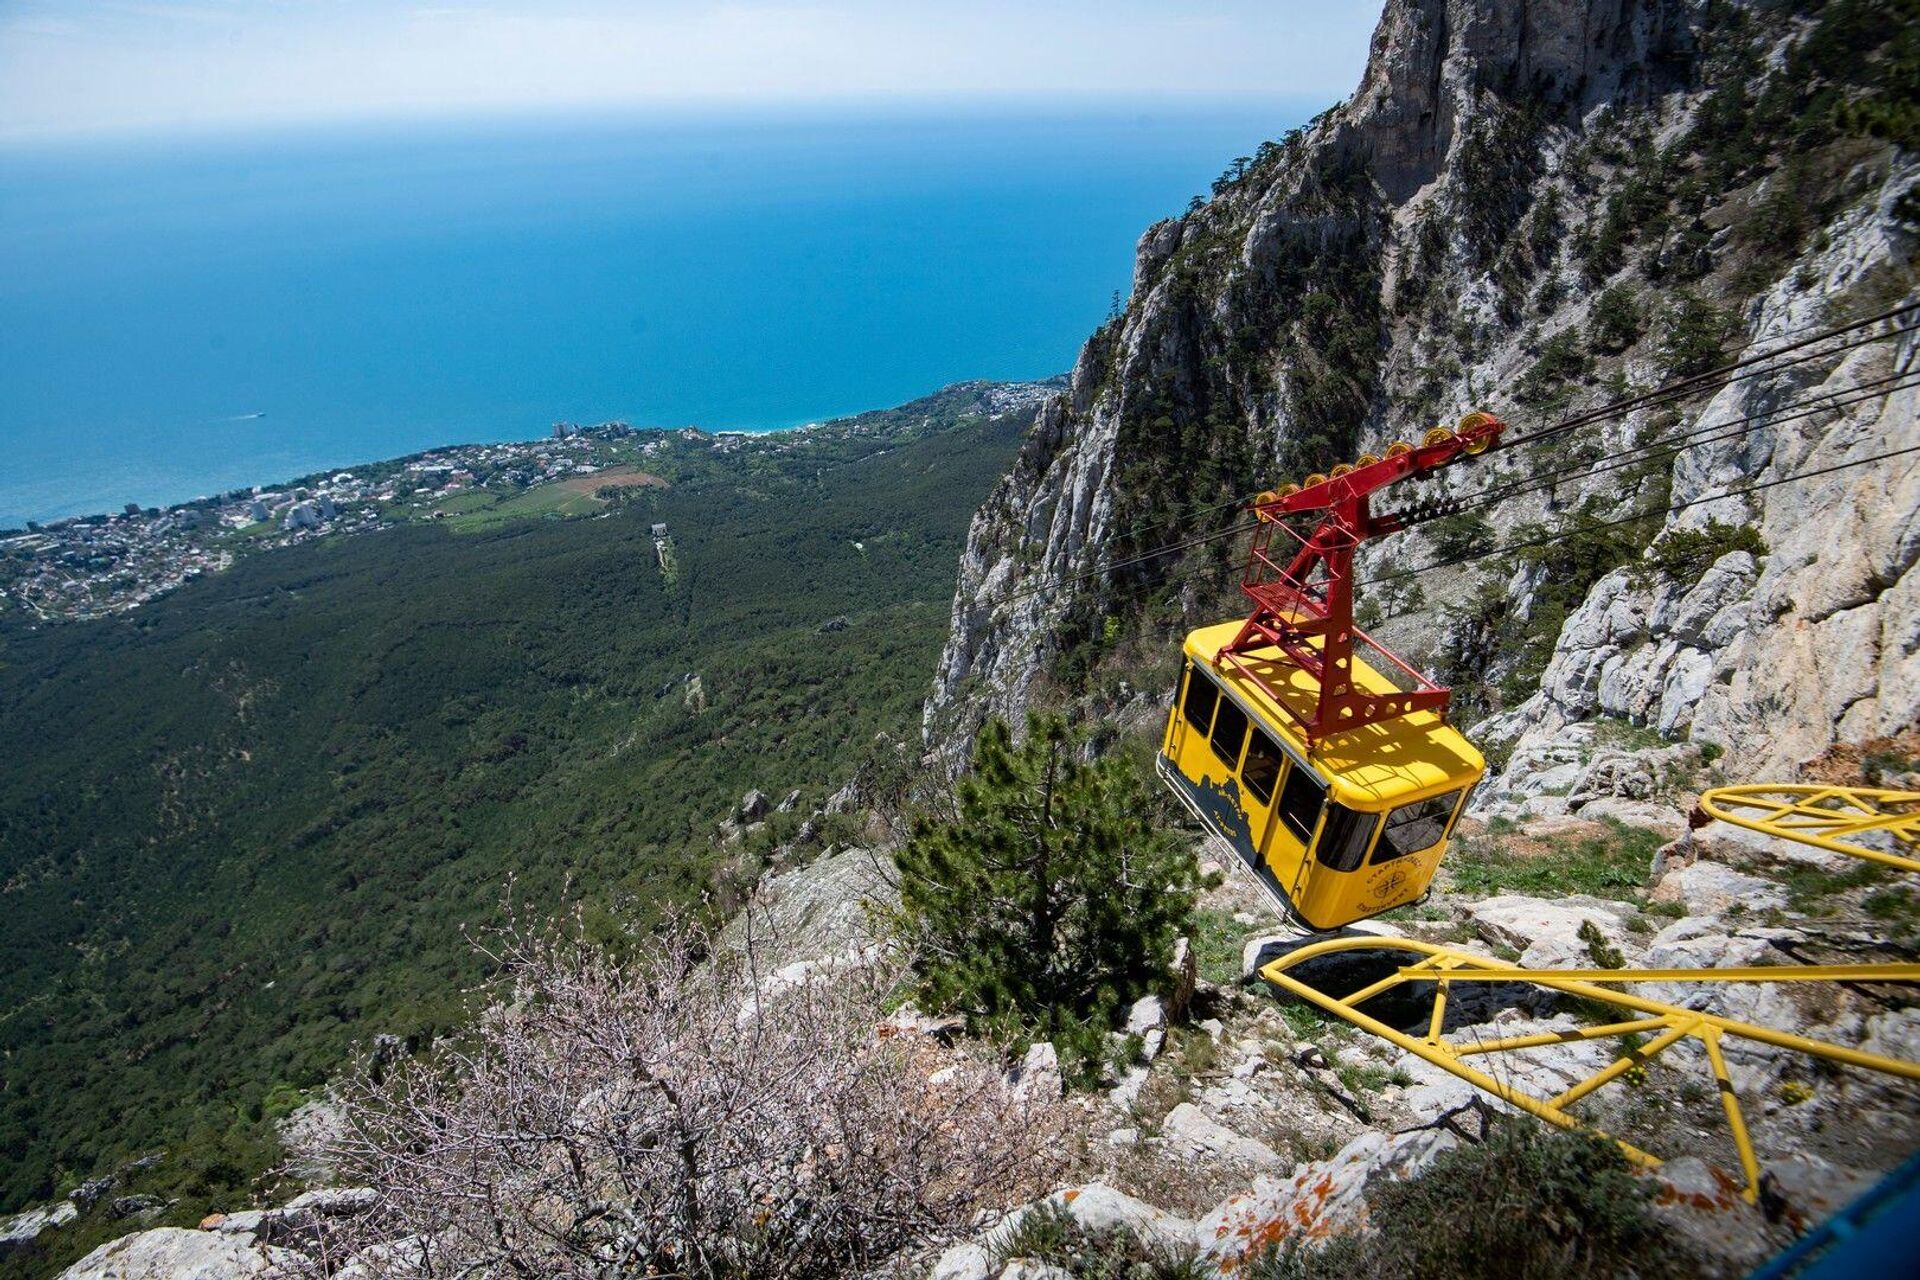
(668, 110)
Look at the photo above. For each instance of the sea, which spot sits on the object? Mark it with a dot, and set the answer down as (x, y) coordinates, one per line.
(183, 316)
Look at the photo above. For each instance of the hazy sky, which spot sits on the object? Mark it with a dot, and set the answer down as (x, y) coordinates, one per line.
(68, 67)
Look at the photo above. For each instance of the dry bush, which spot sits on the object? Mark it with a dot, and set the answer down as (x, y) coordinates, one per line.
(651, 1117)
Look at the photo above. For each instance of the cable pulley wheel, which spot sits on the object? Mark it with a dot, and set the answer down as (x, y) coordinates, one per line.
(1471, 423)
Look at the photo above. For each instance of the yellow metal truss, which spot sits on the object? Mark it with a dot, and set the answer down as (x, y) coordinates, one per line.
(1666, 1024)
(1833, 818)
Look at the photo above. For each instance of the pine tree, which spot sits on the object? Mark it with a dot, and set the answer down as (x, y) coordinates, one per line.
(1050, 898)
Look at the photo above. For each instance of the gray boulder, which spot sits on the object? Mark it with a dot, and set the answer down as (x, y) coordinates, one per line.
(1190, 1129)
(1038, 1075)
(175, 1253)
(1186, 977)
(1322, 1198)
(1099, 1207)
(965, 1261)
(1710, 888)
(23, 1229)
(1148, 1020)
(135, 1206)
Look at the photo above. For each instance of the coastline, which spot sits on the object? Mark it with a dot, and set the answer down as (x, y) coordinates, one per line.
(88, 566)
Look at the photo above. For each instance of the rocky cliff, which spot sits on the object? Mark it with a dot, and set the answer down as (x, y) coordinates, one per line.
(1531, 209)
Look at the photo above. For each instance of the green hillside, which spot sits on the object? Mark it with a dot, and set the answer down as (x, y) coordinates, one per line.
(245, 826)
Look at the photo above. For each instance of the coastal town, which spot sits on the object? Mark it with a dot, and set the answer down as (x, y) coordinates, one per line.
(91, 566)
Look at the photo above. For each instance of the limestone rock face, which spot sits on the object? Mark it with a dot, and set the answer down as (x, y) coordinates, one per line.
(1210, 386)
(1772, 660)
(1321, 1199)
(819, 912)
(1708, 888)
(173, 1253)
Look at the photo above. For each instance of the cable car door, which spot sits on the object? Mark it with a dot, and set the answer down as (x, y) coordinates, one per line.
(1280, 816)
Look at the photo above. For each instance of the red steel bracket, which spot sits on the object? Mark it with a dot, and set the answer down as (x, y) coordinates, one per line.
(1304, 606)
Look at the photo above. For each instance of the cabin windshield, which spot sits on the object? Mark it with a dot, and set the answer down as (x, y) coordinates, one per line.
(1416, 826)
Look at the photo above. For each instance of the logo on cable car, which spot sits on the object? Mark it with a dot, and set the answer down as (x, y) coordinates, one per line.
(1388, 884)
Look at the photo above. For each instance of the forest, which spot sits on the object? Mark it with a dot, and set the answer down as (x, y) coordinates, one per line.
(251, 827)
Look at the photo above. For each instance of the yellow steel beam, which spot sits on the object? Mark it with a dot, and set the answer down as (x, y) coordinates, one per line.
(1633, 1057)
(1572, 1035)
(1444, 966)
(1440, 1057)
(1730, 1103)
(1750, 973)
(1824, 817)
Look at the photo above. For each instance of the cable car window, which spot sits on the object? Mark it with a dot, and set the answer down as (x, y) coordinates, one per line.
(1300, 801)
(1197, 711)
(1262, 769)
(1343, 842)
(1229, 732)
(1416, 826)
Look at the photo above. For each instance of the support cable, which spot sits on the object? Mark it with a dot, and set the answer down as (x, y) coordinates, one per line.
(1724, 375)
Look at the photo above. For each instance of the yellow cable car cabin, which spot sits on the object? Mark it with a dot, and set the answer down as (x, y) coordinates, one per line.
(1348, 829)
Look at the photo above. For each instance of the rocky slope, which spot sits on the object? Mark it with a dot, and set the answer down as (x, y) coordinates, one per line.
(1532, 210)
(1245, 1121)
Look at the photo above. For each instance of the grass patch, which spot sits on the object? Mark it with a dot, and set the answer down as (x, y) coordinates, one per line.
(545, 501)
(1813, 891)
(1610, 865)
(1624, 735)
(1218, 943)
(1891, 904)
(1370, 1078)
(1306, 1021)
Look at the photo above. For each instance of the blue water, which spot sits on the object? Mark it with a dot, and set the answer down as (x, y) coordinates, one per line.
(371, 293)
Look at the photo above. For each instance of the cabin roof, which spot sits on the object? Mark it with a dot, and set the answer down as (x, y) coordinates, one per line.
(1375, 765)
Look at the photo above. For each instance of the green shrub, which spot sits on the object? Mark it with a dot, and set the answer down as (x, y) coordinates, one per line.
(1460, 534)
(1682, 555)
(1603, 953)
(1563, 358)
(1052, 1236)
(1529, 1203)
(1617, 319)
(1693, 335)
(1049, 898)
